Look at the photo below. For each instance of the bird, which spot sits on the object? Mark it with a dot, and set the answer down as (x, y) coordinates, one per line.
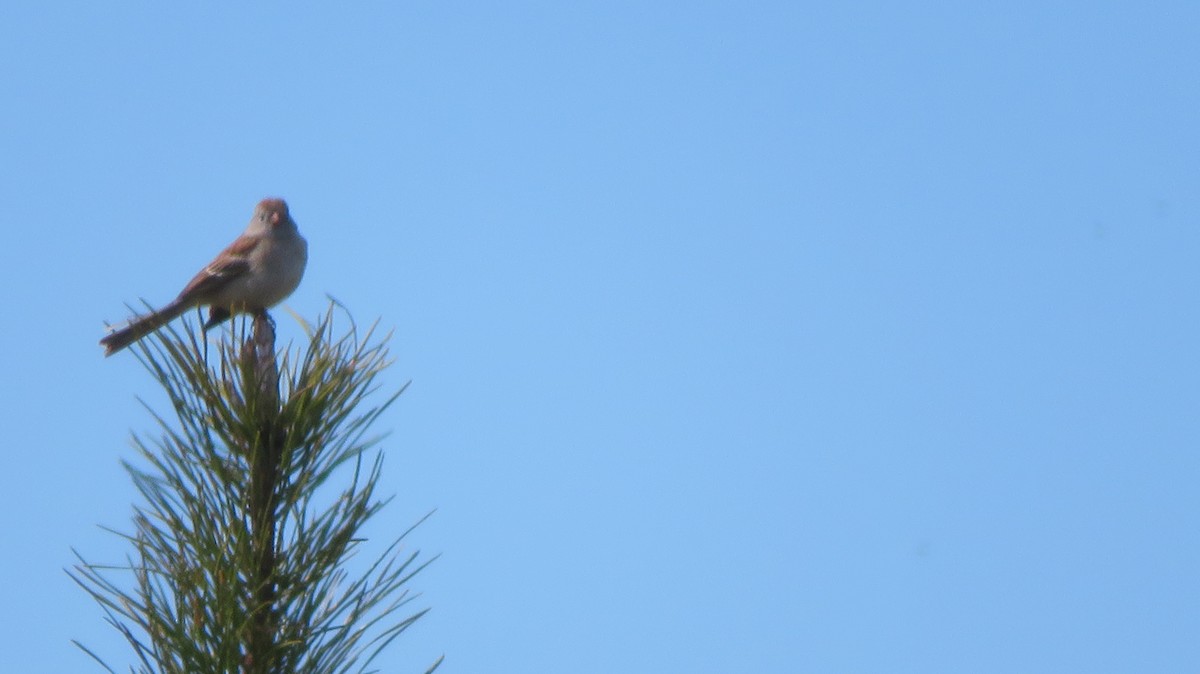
(260, 269)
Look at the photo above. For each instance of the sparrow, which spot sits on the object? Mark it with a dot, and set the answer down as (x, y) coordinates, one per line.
(255, 272)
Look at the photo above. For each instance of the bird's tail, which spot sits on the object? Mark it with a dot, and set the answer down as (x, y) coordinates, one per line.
(140, 327)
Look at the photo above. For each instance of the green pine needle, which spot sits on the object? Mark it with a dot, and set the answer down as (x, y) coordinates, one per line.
(190, 597)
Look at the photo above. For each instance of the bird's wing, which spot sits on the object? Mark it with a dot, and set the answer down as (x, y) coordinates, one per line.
(229, 264)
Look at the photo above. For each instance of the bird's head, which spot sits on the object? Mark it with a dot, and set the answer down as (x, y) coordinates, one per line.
(272, 211)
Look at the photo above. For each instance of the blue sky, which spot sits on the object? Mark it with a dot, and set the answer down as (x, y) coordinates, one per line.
(742, 336)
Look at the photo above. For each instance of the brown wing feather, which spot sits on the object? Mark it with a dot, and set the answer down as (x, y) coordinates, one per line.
(228, 265)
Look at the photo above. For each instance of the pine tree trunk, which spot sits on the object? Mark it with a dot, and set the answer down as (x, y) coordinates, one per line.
(258, 357)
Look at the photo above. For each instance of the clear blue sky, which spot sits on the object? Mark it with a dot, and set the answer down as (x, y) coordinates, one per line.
(761, 337)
